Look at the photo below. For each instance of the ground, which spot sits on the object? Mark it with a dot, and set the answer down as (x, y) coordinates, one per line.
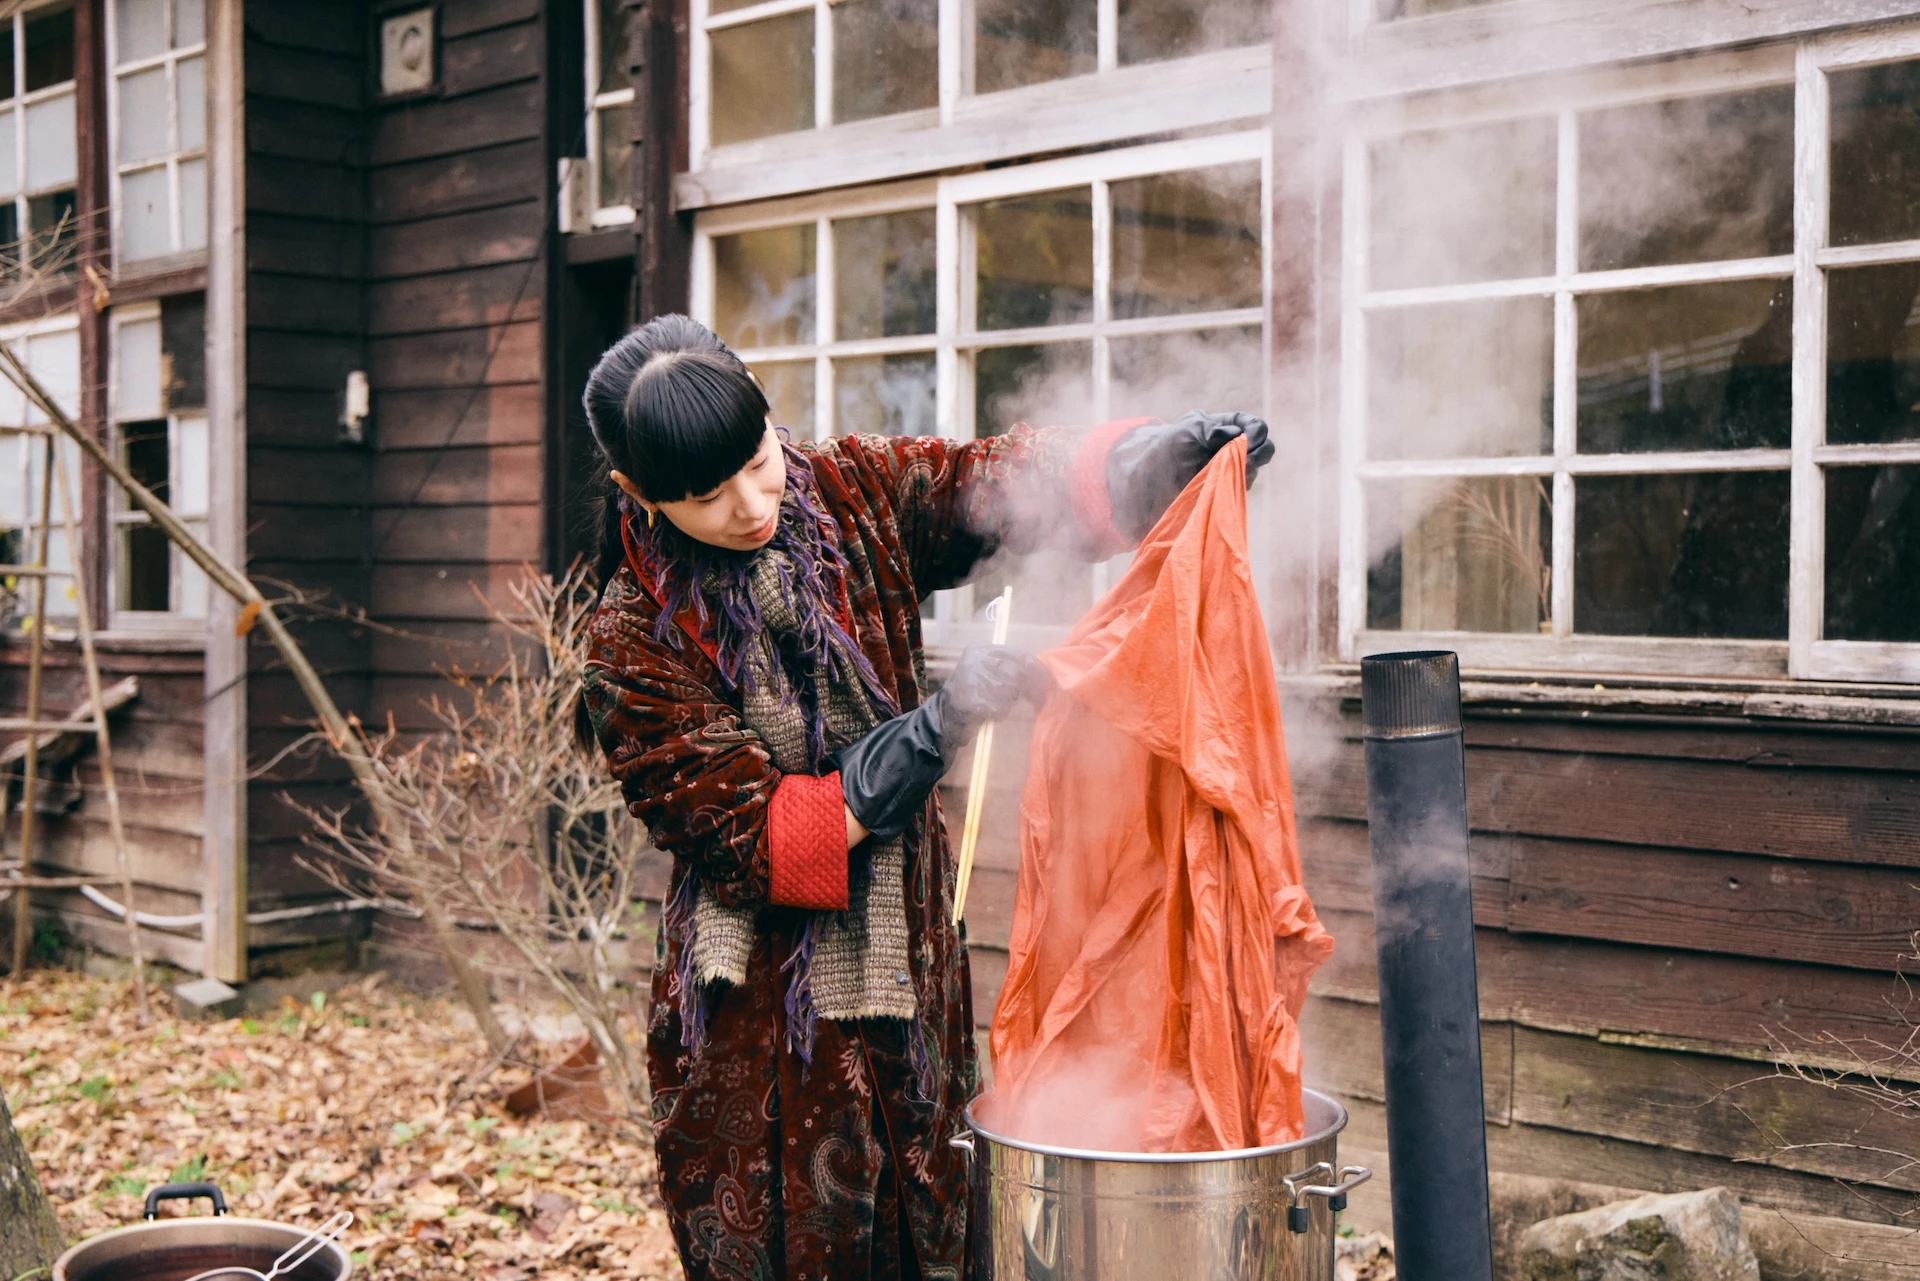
(368, 1100)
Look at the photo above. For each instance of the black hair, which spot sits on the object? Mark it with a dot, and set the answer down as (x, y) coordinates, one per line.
(676, 412)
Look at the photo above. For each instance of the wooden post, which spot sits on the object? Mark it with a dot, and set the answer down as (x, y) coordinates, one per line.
(30, 1237)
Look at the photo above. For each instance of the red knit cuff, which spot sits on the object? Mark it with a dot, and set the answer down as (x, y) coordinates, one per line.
(1087, 482)
(807, 843)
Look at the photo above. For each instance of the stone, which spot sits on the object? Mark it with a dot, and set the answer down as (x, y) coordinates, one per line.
(1686, 1236)
(206, 1000)
(1363, 1258)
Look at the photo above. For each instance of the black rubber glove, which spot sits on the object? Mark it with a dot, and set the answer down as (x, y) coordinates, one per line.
(1149, 466)
(887, 773)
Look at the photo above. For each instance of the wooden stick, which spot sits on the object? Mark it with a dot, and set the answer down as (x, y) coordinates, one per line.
(977, 785)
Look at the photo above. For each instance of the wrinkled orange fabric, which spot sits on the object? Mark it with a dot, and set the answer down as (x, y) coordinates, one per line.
(1162, 941)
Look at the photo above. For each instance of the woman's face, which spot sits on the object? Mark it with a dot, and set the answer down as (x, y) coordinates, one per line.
(742, 514)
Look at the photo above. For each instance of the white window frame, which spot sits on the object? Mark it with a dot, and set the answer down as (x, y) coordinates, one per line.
(1804, 654)
(28, 451)
(955, 340)
(170, 58)
(177, 619)
(603, 215)
(21, 103)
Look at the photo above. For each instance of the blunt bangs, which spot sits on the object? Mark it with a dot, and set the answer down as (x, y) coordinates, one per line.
(694, 418)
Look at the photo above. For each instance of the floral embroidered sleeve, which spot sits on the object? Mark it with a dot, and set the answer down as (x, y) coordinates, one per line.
(700, 779)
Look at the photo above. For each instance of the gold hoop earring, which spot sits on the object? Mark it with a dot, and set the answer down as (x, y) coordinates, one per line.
(650, 516)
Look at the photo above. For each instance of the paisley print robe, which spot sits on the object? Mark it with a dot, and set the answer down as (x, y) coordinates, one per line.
(770, 1167)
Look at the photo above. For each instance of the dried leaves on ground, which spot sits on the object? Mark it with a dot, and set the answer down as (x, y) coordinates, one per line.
(365, 1100)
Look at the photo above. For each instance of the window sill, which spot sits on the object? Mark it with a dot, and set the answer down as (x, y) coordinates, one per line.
(183, 273)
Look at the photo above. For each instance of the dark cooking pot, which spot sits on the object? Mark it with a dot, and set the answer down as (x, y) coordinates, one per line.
(175, 1249)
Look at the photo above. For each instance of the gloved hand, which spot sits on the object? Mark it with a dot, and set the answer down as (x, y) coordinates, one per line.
(1149, 466)
(887, 773)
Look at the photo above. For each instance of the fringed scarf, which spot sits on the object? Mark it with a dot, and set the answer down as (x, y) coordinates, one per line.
(776, 622)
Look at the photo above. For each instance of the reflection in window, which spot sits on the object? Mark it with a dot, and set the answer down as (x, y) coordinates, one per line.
(1681, 555)
(1874, 157)
(1165, 375)
(1187, 241)
(1035, 384)
(764, 287)
(789, 388)
(160, 128)
(886, 57)
(1470, 555)
(1152, 30)
(1688, 180)
(885, 395)
(1873, 354)
(1691, 367)
(1034, 257)
(762, 78)
(884, 275)
(1873, 553)
(1461, 380)
(1018, 42)
(1458, 205)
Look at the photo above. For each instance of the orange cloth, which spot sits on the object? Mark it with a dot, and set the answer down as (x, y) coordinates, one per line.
(1162, 941)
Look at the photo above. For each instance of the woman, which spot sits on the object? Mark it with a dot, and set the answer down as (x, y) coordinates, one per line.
(757, 683)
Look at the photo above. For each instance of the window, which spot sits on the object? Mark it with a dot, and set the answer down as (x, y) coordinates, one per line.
(1068, 291)
(37, 142)
(159, 411)
(611, 26)
(159, 114)
(1613, 401)
(51, 351)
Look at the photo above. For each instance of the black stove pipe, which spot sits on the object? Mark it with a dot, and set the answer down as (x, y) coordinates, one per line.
(1429, 994)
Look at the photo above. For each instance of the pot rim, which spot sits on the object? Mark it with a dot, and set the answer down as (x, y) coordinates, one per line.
(1338, 1124)
(197, 1221)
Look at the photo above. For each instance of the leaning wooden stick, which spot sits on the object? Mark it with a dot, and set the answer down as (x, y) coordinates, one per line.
(977, 784)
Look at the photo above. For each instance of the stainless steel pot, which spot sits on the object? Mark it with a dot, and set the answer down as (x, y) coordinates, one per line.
(1256, 1214)
(175, 1249)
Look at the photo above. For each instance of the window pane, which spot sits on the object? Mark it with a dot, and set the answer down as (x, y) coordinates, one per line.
(616, 31)
(886, 57)
(763, 78)
(1034, 260)
(1165, 375)
(9, 156)
(764, 286)
(1689, 555)
(6, 60)
(189, 23)
(143, 116)
(51, 220)
(1155, 29)
(789, 388)
(1037, 384)
(1873, 354)
(144, 229)
(1459, 205)
(1186, 241)
(190, 490)
(616, 157)
(137, 370)
(1017, 42)
(12, 251)
(1461, 380)
(1693, 367)
(49, 47)
(1471, 555)
(50, 150)
(1873, 553)
(728, 6)
(55, 360)
(183, 340)
(146, 562)
(144, 450)
(195, 590)
(885, 395)
(1692, 180)
(139, 28)
(193, 204)
(1875, 192)
(191, 85)
(884, 275)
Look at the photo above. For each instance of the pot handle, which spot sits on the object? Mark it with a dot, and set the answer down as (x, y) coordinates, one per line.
(1351, 1177)
(184, 1192)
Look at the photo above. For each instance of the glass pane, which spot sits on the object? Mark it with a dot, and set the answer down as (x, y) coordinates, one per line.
(51, 220)
(145, 567)
(1034, 260)
(1459, 205)
(1165, 375)
(1691, 180)
(136, 370)
(789, 388)
(49, 47)
(183, 340)
(144, 229)
(616, 156)
(1038, 384)
(190, 489)
(1154, 29)
(1689, 555)
(191, 85)
(1876, 135)
(195, 591)
(1873, 553)
(883, 270)
(144, 450)
(1017, 42)
(139, 28)
(143, 116)
(1470, 555)
(1873, 354)
(885, 395)
(9, 156)
(728, 6)
(763, 286)
(55, 360)
(50, 149)
(1186, 241)
(886, 57)
(1461, 380)
(6, 60)
(763, 78)
(189, 23)
(1692, 367)
(12, 251)
(193, 204)
(617, 22)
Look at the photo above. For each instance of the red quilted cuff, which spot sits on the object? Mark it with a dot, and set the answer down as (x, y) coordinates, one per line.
(1087, 481)
(807, 843)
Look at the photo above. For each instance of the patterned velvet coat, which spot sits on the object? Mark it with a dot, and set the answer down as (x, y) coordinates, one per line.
(771, 1167)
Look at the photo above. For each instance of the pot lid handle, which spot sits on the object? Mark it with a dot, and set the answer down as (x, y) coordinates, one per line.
(184, 1192)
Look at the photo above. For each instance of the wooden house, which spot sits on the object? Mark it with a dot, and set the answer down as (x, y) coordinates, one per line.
(1587, 327)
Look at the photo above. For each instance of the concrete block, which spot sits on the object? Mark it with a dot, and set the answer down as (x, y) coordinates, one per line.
(1686, 1236)
(206, 1000)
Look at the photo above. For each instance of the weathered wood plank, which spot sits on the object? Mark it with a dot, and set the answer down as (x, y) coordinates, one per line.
(506, 233)
(435, 418)
(403, 593)
(442, 127)
(1337, 864)
(308, 533)
(303, 75)
(288, 361)
(461, 299)
(312, 25)
(430, 648)
(1341, 1040)
(300, 187)
(1839, 747)
(485, 475)
(303, 131)
(328, 476)
(303, 304)
(470, 16)
(453, 184)
(489, 59)
(284, 245)
(460, 358)
(292, 417)
(508, 533)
